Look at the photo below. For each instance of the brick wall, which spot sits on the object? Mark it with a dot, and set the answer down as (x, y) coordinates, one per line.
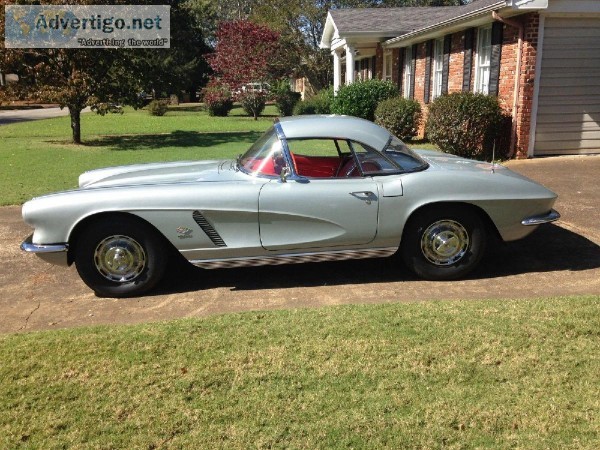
(420, 73)
(457, 60)
(508, 70)
(529, 56)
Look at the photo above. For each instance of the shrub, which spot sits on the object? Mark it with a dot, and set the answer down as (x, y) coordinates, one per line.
(217, 98)
(400, 116)
(285, 98)
(465, 124)
(319, 104)
(361, 98)
(253, 103)
(158, 107)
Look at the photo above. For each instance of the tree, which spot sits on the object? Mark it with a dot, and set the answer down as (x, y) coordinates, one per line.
(100, 78)
(245, 52)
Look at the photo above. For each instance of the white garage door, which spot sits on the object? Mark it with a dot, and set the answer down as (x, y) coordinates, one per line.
(568, 120)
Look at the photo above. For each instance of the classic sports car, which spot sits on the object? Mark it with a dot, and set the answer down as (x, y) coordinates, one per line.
(312, 188)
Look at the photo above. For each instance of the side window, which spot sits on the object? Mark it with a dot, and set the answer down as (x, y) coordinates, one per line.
(313, 147)
(334, 158)
(372, 162)
(318, 158)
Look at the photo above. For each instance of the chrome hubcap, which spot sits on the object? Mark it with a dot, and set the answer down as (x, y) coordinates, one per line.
(444, 242)
(120, 258)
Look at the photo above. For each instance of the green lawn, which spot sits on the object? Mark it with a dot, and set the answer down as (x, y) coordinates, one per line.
(459, 374)
(37, 157)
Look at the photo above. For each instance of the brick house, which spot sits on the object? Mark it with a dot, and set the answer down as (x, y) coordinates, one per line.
(540, 57)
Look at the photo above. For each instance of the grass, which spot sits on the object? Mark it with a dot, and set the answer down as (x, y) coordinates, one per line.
(37, 157)
(460, 374)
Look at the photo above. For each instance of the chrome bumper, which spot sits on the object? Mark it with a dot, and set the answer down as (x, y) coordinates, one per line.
(52, 253)
(543, 218)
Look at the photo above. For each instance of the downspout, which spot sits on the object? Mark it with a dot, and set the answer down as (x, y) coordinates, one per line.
(515, 106)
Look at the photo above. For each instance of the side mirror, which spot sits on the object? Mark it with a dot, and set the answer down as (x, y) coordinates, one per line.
(284, 174)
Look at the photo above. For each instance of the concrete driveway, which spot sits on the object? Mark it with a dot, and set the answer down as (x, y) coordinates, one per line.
(558, 259)
(23, 115)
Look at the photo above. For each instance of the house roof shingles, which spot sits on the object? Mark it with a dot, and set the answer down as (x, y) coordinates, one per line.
(402, 20)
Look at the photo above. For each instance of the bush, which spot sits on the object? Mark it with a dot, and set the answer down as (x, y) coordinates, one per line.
(253, 103)
(285, 98)
(400, 116)
(465, 124)
(360, 99)
(217, 98)
(319, 104)
(158, 107)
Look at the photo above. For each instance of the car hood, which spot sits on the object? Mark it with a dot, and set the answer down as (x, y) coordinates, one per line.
(160, 173)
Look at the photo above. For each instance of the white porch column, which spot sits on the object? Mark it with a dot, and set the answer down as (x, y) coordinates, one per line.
(349, 64)
(337, 71)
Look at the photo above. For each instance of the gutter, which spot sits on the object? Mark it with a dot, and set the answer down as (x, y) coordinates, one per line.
(515, 106)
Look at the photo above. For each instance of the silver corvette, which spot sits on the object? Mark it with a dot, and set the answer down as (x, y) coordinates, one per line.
(312, 188)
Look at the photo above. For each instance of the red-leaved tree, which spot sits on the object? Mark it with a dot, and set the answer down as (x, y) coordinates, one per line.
(245, 53)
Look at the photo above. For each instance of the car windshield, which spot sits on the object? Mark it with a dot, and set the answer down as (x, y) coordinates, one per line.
(408, 160)
(265, 157)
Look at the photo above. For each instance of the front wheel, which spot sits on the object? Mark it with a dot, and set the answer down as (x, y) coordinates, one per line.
(443, 244)
(120, 257)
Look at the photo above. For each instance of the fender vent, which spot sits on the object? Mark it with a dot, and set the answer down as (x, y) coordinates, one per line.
(208, 229)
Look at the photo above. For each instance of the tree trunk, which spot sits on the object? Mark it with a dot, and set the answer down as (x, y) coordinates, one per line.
(75, 113)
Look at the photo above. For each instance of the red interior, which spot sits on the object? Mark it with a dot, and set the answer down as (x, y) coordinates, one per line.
(316, 166)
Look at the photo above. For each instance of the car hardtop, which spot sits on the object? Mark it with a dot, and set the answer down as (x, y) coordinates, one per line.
(335, 126)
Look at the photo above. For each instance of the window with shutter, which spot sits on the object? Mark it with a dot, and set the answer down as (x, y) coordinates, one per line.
(483, 60)
(438, 67)
(387, 65)
(409, 78)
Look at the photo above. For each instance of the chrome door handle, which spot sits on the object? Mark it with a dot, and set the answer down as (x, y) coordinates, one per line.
(366, 196)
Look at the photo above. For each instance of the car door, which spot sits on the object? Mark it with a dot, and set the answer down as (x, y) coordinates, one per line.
(320, 208)
(318, 213)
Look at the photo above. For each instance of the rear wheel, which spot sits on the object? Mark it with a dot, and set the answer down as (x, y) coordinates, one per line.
(120, 257)
(444, 243)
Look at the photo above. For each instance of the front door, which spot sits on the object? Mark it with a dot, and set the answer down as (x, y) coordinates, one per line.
(318, 213)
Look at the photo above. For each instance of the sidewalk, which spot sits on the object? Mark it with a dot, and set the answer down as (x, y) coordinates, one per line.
(22, 115)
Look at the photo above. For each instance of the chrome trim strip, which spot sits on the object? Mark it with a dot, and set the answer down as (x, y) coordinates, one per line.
(294, 258)
(542, 218)
(28, 246)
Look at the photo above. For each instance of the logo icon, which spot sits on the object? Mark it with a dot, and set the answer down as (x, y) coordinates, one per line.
(184, 232)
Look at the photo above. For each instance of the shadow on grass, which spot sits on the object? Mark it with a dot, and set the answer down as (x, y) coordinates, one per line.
(181, 139)
(549, 249)
(197, 107)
